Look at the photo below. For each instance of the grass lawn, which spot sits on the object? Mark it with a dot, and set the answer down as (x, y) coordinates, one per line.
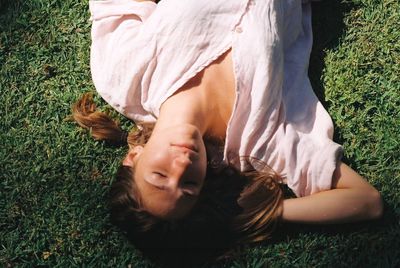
(54, 178)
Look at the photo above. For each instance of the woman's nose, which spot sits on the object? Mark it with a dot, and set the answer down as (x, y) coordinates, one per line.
(182, 160)
(179, 169)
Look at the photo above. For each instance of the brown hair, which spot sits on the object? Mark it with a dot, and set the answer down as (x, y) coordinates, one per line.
(234, 208)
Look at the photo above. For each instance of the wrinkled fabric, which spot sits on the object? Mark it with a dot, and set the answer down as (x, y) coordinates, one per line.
(142, 53)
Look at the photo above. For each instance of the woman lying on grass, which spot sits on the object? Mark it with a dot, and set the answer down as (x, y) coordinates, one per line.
(225, 114)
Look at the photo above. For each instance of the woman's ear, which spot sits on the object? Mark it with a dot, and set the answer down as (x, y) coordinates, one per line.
(132, 155)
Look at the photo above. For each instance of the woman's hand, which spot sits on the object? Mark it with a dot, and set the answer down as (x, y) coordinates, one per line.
(351, 199)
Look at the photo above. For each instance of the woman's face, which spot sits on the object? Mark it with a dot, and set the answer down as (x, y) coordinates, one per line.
(170, 170)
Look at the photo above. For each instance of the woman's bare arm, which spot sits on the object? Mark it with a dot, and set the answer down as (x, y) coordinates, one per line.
(351, 199)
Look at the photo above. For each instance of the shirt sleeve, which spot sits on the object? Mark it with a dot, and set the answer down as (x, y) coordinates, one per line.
(116, 26)
(108, 8)
(305, 143)
(115, 23)
(282, 124)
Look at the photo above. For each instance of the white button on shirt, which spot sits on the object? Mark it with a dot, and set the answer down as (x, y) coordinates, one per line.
(142, 53)
(239, 29)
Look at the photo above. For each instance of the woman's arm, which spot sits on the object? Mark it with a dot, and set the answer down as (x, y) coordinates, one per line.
(351, 199)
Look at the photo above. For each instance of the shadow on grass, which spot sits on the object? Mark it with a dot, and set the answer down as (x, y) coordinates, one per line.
(369, 239)
(363, 244)
(328, 27)
(292, 231)
(10, 8)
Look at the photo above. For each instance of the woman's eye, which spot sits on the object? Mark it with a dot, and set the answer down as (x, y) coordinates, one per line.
(160, 174)
(190, 186)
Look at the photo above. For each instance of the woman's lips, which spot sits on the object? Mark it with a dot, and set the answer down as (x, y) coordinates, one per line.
(189, 146)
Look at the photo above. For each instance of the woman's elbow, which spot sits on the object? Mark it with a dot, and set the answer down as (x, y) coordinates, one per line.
(375, 204)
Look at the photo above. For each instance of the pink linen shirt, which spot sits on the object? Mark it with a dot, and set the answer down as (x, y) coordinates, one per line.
(142, 53)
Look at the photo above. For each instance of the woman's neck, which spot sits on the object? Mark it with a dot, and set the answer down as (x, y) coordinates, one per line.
(206, 101)
(185, 107)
